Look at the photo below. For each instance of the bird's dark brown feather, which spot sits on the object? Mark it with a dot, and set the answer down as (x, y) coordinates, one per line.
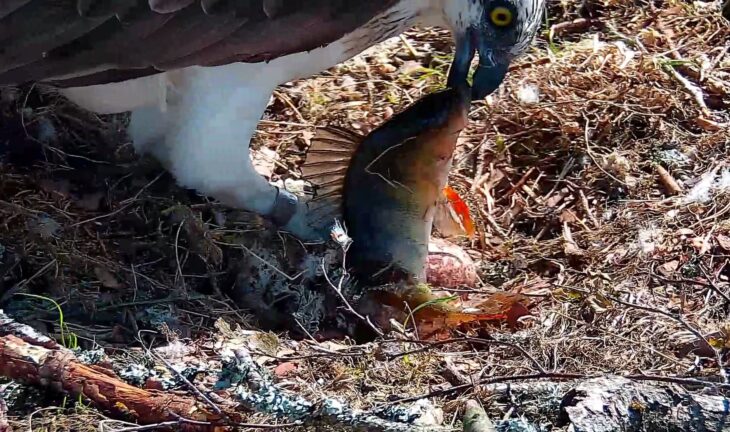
(86, 42)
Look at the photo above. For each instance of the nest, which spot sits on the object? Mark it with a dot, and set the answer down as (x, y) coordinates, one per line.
(597, 175)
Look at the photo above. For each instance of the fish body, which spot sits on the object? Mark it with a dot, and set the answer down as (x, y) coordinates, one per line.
(395, 182)
(388, 186)
(389, 189)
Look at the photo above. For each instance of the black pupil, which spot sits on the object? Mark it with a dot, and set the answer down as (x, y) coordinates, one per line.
(502, 17)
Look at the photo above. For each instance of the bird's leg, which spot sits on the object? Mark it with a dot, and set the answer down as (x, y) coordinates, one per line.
(210, 117)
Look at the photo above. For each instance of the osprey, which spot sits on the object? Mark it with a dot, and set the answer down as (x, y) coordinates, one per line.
(197, 75)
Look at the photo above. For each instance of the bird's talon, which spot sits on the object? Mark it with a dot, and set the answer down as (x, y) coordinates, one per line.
(285, 207)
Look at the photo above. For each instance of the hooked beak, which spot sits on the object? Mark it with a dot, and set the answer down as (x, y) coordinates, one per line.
(489, 74)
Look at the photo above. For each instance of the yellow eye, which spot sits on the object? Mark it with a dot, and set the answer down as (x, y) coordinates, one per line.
(501, 16)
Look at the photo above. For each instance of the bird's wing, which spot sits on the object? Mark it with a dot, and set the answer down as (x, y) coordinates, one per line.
(85, 42)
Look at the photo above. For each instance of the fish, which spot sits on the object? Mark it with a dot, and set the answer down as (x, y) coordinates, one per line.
(389, 186)
(390, 189)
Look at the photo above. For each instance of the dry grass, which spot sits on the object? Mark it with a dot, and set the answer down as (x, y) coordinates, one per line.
(565, 189)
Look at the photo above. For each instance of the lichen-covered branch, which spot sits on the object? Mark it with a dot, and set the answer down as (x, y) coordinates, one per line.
(613, 403)
(33, 359)
(254, 388)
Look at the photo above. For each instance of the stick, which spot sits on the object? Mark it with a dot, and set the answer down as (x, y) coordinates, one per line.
(666, 179)
(338, 290)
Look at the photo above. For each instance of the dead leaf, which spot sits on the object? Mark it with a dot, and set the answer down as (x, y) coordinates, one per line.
(709, 125)
(515, 312)
(570, 246)
(724, 242)
(700, 347)
(107, 279)
(285, 369)
(668, 268)
(264, 161)
(567, 216)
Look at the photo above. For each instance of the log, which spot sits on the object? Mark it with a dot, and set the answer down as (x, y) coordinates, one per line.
(33, 359)
(612, 403)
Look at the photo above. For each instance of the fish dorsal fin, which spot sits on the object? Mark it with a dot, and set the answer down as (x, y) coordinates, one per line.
(326, 165)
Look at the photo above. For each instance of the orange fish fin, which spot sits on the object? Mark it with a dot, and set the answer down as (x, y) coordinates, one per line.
(325, 167)
(452, 217)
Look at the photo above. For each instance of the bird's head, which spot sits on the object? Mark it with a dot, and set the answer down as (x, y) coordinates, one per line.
(499, 30)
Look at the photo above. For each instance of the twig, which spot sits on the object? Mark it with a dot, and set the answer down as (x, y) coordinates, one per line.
(189, 385)
(587, 208)
(521, 182)
(163, 425)
(176, 425)
(271, 266)
(431, 345)
(4, 426)
(712, 285)
(492, 380)
(177, 255)
(578, 25)
(693, 90)
(493, 223)
(338, 290)
(284, 98)
(54, 367)
(409, 47)
(589, 150)
(685, 324)
(556, 376)
(126, 204)
(12, 291)
(666, 179)
(255, 390)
